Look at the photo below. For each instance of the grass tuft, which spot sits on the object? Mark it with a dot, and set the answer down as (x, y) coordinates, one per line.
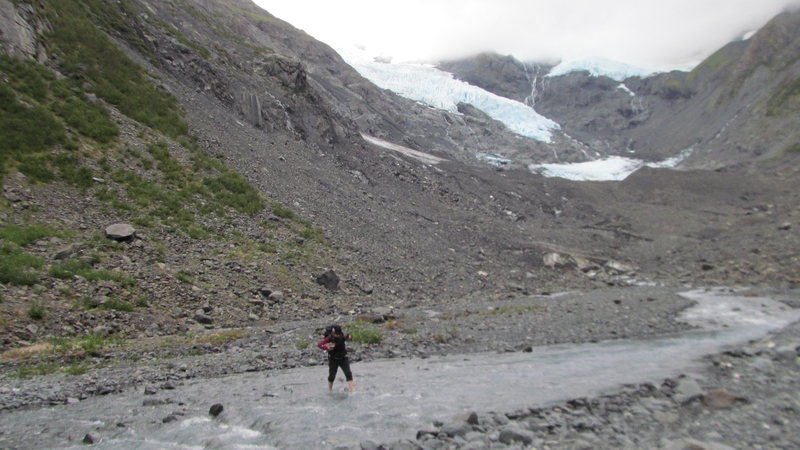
(364, 333)
(18, 267)
(23, 235)
(36, 311)
(73, 267)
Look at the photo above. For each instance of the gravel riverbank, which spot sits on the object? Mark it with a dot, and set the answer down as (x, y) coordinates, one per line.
(511, 324)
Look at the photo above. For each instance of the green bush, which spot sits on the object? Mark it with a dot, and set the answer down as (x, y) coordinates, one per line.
(36, 311)
(312, 234)
(184, 278)
(114, 304)
(282, 211)
(364, 333)
(71, 172)
(36, 167)
(18, 267)
(25, 129)
(77, 369)
(87, 119)
(92, 343)
(36, 370)
(23, 235)
(31, 100)
(302, 344)
(173, 171)
(84, 52)
(230, 189)
(785, 99)
(71, 267)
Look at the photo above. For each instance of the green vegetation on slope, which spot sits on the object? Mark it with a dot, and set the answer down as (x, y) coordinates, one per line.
(785, 99)
(18, 267)
(85, 52)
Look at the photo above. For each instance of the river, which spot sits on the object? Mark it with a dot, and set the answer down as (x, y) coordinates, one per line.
(394, 398)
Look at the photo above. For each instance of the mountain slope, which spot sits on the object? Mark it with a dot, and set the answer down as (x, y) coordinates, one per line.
(735, 108)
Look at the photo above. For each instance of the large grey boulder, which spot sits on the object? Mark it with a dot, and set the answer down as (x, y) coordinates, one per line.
(454, 429)
(511, 435)
(329, 279)
(686, 391)
(120, 232)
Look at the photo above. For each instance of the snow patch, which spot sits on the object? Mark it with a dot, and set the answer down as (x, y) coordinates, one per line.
(495, 160)
(416, 154)
(626, 89)
(613, 168)
(433, 87)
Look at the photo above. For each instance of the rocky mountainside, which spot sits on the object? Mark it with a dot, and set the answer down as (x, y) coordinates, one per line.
(735, 108)
(232, 142)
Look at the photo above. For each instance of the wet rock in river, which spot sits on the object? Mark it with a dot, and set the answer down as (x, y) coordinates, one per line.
(682, 444)
(216, 409)
(456, 429)
(512, 434)
(686, 391)
(721, 400)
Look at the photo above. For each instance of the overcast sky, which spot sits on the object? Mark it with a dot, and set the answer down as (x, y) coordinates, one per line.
(649, 33)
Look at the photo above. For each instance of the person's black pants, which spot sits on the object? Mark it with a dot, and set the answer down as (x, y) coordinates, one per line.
(333, 366)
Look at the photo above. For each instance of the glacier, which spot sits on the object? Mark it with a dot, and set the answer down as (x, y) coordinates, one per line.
(433, 87)
(601, 67)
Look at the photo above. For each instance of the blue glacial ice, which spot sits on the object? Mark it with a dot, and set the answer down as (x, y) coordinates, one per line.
(438, 89)
(598, 67)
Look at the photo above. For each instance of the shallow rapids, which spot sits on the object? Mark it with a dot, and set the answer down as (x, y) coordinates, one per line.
(395, 398)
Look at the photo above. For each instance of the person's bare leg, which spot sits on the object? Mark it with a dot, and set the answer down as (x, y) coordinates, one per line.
(352, 386)
(330, 385)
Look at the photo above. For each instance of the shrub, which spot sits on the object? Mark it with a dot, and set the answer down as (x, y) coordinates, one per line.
(36, 311)
(36, 167)
(31, 101)
(71, 172)
(23, 235)
(72, 267)
(77, 369)
(26, 129)
(36, 370)
(230, 189)
(85, 52)
(785, 99)
(282, 211)
(183, 278)
(312, 234)
(87, 119)
(223, 337)
(302, 344)
(18, 267)
(115, 304)
(92, 343)
(364, 333)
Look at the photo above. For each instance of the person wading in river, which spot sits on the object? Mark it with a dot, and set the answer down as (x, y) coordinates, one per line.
(333, 342)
